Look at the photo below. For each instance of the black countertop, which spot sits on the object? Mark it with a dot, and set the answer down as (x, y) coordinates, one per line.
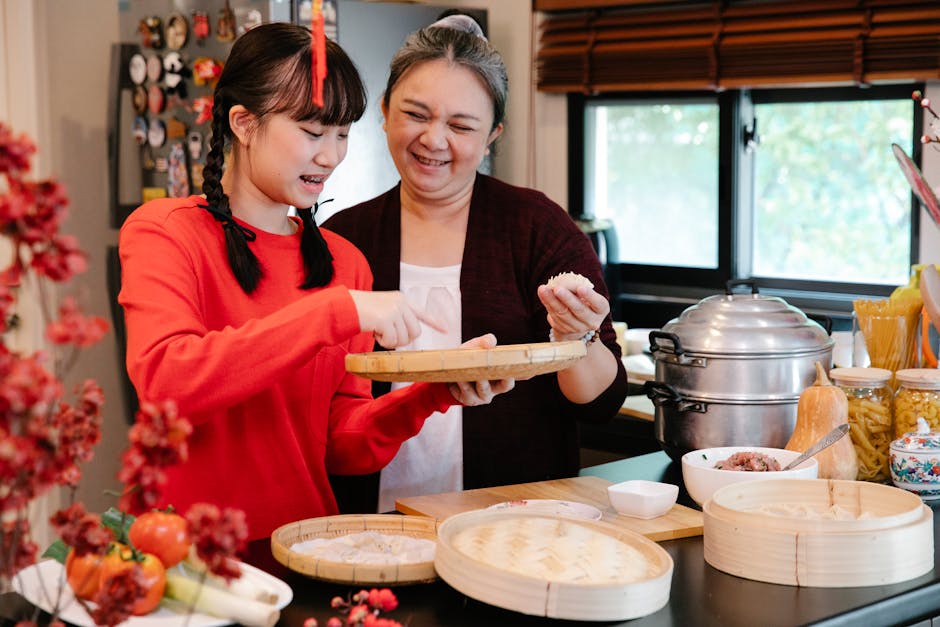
(700, 595)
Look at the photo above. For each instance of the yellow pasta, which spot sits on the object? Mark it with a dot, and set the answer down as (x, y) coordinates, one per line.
(890, 331)
(870, 424)
(912, 404)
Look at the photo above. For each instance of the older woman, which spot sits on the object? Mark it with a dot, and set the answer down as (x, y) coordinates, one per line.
(478, 253)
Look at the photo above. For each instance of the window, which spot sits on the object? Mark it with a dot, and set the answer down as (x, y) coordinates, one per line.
(795, 188)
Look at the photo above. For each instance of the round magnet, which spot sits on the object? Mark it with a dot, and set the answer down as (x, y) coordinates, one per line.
(177, 31)
(139, 99)
(137, 68)
(140, 130)
(156, 99)
(156, 134)
(154, 68)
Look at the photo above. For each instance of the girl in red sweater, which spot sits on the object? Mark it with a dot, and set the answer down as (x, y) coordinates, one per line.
(242, 313)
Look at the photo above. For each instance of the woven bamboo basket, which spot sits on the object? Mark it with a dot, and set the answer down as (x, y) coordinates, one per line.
(556, 567)
(284, 537)
(467, 364)
(779, 531)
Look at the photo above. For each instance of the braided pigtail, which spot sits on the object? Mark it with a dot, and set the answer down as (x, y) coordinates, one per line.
(318, 261)
(241, 259)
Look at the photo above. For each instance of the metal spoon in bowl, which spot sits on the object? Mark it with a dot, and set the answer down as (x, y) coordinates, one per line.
(827, 440)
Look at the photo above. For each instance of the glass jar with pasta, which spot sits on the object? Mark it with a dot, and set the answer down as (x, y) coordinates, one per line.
(870, 418)
(918, 396)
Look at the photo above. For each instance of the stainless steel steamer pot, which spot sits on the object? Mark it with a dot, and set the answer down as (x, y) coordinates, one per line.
(730, 370)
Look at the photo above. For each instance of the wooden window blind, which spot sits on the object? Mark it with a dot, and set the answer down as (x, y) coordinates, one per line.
(595, 46)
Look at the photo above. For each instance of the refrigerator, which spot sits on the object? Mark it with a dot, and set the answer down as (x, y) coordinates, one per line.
(161, 77)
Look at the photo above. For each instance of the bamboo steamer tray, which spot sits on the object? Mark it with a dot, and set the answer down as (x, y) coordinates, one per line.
(886, 538)
(551, 566)
(467, 364)
(284, 537)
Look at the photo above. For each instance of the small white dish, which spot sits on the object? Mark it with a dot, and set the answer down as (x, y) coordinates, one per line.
(565, 509)
(639, 498)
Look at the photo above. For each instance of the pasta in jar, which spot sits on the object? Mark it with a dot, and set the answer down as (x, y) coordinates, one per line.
(870, 418)
(918, 397)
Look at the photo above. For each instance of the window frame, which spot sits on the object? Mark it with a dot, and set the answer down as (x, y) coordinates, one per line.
(683, 285)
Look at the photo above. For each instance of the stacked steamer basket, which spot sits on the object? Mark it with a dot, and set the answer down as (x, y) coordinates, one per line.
(818, 532)
(730, 370)
(551, 566)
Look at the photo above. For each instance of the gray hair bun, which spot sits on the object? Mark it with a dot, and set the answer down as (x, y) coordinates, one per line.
(463, 23)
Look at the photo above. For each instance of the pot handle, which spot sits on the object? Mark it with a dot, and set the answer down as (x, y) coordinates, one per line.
(824, 321)
(664, 394)
(665, 335)
(733, 283)
(661, 393)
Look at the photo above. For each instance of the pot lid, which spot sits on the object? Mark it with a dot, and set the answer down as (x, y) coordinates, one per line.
(745, 324)
(918, 441)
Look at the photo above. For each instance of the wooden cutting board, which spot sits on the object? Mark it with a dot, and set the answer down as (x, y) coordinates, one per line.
(679, 522)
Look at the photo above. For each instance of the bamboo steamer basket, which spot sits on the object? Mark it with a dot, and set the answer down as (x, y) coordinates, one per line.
(467, 364)
(494, 556)
(364, 574)
(891, 542)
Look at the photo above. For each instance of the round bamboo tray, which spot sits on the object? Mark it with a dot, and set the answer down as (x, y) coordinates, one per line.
(550, 566)
(517, 361)
(886, 536)
(364, 574)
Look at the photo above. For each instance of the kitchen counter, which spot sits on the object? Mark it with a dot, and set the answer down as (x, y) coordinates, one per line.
(700, 594)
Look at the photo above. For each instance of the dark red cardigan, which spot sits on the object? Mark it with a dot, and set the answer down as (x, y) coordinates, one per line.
(516, 240)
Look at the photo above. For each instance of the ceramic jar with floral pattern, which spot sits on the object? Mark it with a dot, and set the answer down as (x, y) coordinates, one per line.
(915, 461)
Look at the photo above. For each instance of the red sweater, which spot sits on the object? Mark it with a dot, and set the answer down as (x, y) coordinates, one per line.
(260, 376)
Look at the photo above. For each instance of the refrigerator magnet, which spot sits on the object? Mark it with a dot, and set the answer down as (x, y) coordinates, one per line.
(201, 26)
(156, 134)
(178, 174)
(156, 100)
(174, 71)
(225, 27)
(177, 31)
(139, 98)
(206, 71)
(154, 68)
(194, 144)
(140, 130)
(202, 106)
(151, 32)
(195, 175)
(252, 19)
(137, 69)
(175, 129)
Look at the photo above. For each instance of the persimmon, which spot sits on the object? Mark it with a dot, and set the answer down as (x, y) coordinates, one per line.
(153, 573)
(82, 573)
(164, 534)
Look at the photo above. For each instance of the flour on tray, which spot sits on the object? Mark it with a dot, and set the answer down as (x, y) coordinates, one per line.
(368, 547)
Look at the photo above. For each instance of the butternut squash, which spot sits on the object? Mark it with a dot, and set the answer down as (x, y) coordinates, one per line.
(821, 408)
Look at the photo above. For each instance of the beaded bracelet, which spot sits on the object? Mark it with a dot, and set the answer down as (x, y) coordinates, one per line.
(588, 338)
